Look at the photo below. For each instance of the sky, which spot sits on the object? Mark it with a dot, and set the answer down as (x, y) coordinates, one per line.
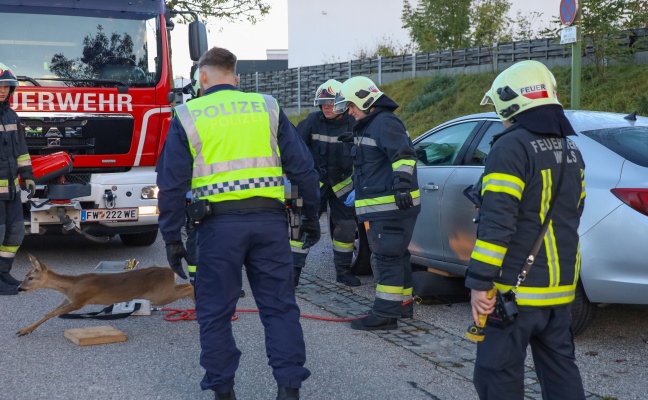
(249, 42)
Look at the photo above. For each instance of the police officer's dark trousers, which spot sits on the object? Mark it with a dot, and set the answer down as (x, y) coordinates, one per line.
(499, 368)
(388, 241)
(258, 240)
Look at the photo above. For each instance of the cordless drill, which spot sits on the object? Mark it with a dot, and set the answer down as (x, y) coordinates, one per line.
(476, 332)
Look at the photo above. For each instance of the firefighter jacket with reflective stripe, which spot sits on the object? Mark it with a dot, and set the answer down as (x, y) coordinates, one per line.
(332, 157)
(14, 157)
(383, 154)
(519, 181)
(228, 145)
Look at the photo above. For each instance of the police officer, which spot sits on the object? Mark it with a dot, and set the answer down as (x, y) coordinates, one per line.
(521, 177)
(231, 149)
(16, 163)
(333, 161)
(387, 198)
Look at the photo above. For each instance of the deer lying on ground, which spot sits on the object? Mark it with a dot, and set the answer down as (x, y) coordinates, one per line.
(156, 284)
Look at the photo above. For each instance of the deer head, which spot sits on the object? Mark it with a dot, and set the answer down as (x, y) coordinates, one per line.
(36, 277)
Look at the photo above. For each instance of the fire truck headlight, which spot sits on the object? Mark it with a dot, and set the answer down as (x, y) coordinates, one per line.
(149, 192)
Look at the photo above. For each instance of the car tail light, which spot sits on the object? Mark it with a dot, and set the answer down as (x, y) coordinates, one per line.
(635, 198)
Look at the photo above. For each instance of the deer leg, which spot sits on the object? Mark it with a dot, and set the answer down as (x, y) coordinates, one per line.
(63, 308)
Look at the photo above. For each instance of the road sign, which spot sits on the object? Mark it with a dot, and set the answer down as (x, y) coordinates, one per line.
(569, 35)
(568, 10)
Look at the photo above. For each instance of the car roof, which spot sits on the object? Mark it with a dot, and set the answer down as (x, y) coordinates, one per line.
(581, 120)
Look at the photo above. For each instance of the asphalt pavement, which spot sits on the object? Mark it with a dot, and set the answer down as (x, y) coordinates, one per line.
(426, 358)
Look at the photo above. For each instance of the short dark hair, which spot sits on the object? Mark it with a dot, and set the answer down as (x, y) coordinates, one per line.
(220, 58)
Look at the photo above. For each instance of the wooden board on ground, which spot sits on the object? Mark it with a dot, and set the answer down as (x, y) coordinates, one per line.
(95, 335)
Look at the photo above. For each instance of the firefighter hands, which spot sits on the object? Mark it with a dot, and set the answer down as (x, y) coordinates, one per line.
(175, 252)
(402, 195)
(309, 231)
(346, 137)
(481, 304)
(30, 186)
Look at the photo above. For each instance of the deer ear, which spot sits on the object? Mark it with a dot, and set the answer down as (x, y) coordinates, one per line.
(36, 263)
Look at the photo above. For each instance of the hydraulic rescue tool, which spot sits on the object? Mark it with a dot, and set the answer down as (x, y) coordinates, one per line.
(476, 331)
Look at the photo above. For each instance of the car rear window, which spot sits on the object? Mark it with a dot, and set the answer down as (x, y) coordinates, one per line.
(629, 142)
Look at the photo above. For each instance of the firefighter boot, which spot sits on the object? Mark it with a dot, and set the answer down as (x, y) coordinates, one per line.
(286, 393)
(7, 289)
(228, 395)
(296, 275)
(372, 322)
(8, 279)
(345, 277)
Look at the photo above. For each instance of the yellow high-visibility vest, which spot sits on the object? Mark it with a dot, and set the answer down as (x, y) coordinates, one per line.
(233, 140)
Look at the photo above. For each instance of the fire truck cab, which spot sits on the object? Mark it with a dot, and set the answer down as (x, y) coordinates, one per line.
(96, 86)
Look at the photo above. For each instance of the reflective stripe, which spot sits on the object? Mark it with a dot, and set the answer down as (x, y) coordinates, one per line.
(549, 239)
(8, 251)
(382, 204)
(326, 139)
(488, 253)
(191, 268)
(582, 196)
(24, 160)
(391, 293)
(408, 292)
(343, 187)
(406, 166)
(541, 296)
(240, 184)
(8, 127)
(296, 247)
(503, 183)
(203, 169)
(342, 247)
(365, 141)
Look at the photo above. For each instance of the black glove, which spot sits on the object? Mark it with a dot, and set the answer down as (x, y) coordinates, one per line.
(403, 199)
(309, 231)
(30, 186)
(175, 252)
(346, 137)
(402, 195)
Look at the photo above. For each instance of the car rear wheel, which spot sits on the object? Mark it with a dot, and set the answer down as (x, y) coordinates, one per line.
(139, 239)
(582, 311)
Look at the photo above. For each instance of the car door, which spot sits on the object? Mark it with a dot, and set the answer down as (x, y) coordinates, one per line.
(437, 153)
(457, 227)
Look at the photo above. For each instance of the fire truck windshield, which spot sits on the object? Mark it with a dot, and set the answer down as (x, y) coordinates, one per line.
(81, 51)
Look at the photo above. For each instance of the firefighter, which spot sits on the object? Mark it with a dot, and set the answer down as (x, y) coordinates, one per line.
(231, 149)
(387, 198)
(521, 176)
(334, 164)
(16, 164)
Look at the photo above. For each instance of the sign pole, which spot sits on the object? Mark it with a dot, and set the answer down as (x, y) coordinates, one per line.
(576, 67)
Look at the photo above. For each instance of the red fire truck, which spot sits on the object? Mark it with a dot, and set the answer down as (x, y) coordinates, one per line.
(95, 86)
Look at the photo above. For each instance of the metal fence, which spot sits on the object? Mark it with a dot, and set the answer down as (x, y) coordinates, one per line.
(295, 87)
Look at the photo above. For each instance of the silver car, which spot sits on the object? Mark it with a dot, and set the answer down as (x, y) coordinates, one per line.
(614, 225)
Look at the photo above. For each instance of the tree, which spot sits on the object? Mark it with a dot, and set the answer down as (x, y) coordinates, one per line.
(387, 47)
(524, 26)
(490, 22)
(438, 24)
(603, 24)
(228, 10)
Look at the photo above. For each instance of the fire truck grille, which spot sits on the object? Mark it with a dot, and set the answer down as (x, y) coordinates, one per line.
(93, 134)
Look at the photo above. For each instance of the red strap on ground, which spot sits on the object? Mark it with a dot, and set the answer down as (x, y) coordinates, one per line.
(189, 314)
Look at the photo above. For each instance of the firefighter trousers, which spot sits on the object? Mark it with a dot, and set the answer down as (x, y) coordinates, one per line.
(258, 240)
(12, 231)
(343, 232)
(499, 368)
(388, 241)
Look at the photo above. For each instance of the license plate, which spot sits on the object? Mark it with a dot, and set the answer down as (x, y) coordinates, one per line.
(115, 214)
